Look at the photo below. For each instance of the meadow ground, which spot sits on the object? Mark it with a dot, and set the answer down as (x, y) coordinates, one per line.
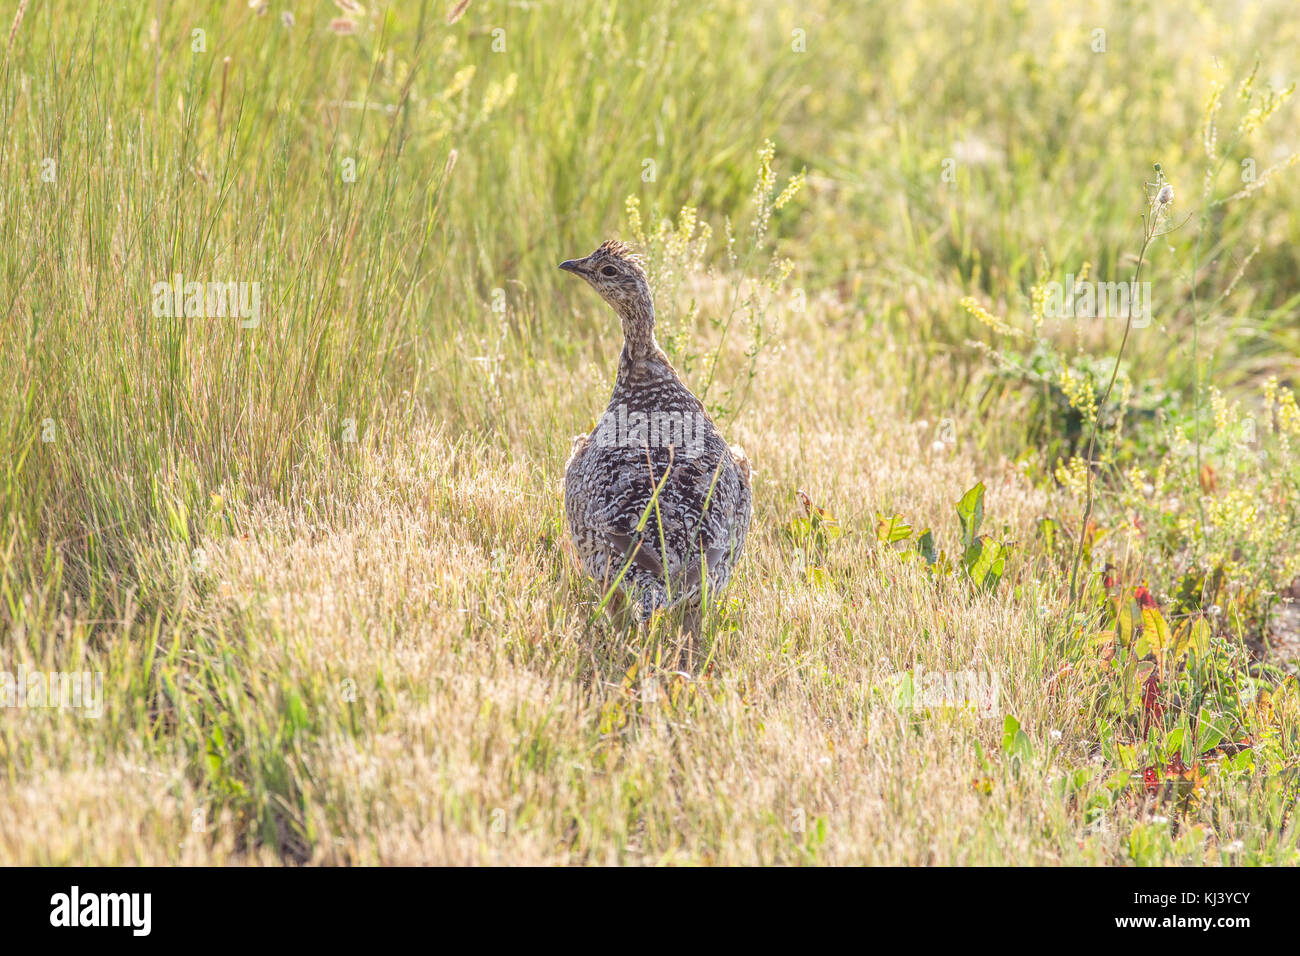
(316, 551)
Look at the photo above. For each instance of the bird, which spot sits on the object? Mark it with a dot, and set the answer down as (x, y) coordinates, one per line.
(656, 500)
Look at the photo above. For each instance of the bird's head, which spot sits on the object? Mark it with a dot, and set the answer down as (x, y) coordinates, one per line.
(614, 271)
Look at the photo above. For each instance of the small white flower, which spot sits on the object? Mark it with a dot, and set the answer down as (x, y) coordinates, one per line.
(938, 446)
(1056, 735)
(1159, 820)
(1236, 846)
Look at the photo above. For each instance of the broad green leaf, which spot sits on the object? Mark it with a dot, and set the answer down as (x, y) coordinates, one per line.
(1209, 734)
(1015, 741)
(1200, 637)
(1118, 781)
(925, 545)
(892, 528)
(986, 560)
(1124, 624)
(1128, 757)
(1173, 743)
(997, 565)
(1182, 639)
(970, 511)
(1010, 727)
(1155, 629)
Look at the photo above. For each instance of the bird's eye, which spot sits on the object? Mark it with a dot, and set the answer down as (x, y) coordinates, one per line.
(609, 271)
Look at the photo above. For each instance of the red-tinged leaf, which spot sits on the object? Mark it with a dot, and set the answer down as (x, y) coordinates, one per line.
(1151, 696)
(814, 511)
(1151, 779)
(1144, 598)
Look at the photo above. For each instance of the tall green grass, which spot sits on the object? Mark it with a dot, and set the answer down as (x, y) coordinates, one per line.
(474, 170)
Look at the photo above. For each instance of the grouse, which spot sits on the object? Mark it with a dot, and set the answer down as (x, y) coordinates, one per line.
(655, 499)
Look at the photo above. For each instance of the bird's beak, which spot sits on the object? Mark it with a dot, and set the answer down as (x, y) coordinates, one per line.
(570, 265)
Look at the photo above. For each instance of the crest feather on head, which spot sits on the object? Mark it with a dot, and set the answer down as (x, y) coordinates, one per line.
(621, 250)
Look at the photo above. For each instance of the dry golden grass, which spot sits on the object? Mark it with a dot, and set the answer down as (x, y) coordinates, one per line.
(495, 721)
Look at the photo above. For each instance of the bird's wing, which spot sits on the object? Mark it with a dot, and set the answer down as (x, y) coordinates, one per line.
(639, 549)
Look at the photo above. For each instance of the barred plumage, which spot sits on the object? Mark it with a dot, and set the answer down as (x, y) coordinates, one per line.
(694, 529)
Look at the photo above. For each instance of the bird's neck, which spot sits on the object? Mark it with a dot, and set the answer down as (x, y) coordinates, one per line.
(638, 318)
